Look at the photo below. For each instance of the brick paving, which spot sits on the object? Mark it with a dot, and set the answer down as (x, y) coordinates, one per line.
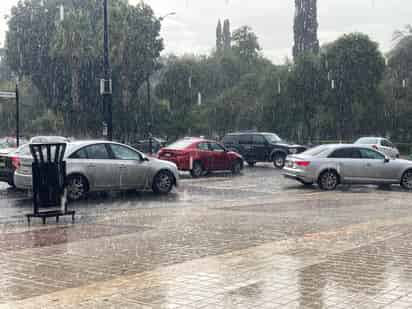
(222, 242)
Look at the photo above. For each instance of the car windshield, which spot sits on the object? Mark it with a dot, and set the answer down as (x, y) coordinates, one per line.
(181, 144)
(272, 138)
(367, 141)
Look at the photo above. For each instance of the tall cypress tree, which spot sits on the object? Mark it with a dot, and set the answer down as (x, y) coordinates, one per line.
(219, 37)
(227, 36)
(305, 28)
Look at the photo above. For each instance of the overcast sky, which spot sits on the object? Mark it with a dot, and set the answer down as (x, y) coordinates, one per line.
(192, 29)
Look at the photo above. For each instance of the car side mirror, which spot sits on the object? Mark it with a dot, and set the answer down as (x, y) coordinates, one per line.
(386, 160)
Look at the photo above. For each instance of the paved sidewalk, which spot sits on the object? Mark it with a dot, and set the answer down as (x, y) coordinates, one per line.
(241, 246)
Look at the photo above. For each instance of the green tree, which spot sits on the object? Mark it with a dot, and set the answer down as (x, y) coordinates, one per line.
(246, 43)
(219, 37)
(227, 35)
(356, 68)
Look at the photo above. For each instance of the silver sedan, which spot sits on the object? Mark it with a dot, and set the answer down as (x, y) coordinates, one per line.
(331, 165)
(101, 166)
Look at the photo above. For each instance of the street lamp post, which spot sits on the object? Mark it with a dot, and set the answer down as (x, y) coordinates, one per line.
(106, 84)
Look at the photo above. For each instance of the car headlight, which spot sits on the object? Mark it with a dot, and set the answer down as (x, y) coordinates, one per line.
(293, 150)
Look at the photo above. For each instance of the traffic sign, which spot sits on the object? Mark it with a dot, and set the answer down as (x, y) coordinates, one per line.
(7, 94)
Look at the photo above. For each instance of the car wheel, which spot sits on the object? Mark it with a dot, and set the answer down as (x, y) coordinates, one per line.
(279, 160)
(77, 187)
(251, 163)
(197, 169)
(163, 182)
(328, 180)
(236, 167)
(406, 181)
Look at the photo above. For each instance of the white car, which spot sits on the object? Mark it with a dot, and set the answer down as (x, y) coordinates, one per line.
(102, 165)
(381, 144)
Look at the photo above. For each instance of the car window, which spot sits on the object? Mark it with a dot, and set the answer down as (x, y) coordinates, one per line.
(259, 140)
(346, 153)
(216, 147)
(245, 139)
(80, 154)
(386, 143)
(273, 138)
(97, 152)
(181, 144)
(371, 154)
(124, 153)
(316, 151)
(23, 150)
(203, 146)
(367, 141)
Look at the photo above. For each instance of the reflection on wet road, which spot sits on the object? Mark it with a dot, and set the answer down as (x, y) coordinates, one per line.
(252, 241)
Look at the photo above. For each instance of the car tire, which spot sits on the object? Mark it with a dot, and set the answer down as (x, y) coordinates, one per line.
(77, 187)
(406, 180)
(197, 169)
(163, 182)
(236, 167)
(251, 163)
(328, 180)
(279, 160)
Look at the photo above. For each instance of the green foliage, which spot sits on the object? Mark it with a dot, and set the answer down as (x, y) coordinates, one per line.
(245, 43)
(357, 67)
(63, 58)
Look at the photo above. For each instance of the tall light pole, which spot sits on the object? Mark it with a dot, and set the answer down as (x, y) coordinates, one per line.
(106, 83)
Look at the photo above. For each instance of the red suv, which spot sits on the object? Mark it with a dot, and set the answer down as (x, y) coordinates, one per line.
(200, 156)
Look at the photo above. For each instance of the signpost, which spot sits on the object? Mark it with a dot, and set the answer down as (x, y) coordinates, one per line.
(14, 95)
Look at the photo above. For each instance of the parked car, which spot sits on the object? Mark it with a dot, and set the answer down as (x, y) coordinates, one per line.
(9, 162)
(331, 165)
(101, 165)
(201, 156)
(379, 143)
(261, 147)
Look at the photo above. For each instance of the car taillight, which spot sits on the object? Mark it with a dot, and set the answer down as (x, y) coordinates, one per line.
(15, 162)
(302, 163)
(375, 146)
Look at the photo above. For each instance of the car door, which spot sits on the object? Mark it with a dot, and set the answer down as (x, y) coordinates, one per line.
(133, 169)
(246, 144)
(379, 169)
(220, 160)
(260, 148)
(102, 170)
(205, 155)
(351, 166)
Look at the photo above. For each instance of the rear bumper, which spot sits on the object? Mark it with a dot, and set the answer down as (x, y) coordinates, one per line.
(183, 163)
(298, 175)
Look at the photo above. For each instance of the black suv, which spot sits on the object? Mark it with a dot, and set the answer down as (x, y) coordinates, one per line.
(261, 147)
